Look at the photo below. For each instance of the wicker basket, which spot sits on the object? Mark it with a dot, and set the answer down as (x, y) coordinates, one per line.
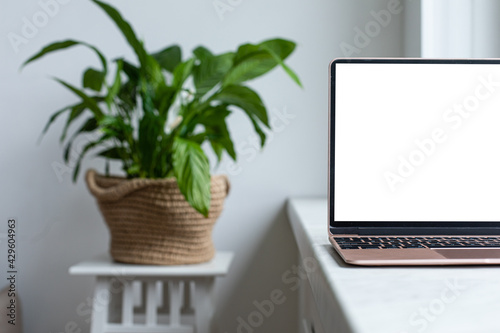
(150, 221)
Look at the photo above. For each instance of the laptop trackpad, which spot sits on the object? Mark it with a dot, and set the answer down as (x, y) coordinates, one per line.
(469, 253)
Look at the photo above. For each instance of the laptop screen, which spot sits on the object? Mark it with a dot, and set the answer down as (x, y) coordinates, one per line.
(414, 140)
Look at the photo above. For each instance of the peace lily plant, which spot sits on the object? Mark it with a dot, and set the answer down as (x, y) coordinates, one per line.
(154, 114)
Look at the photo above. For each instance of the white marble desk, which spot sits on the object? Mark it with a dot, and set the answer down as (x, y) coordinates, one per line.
(461, 299)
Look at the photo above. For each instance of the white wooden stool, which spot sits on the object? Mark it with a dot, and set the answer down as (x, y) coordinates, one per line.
(142, 298)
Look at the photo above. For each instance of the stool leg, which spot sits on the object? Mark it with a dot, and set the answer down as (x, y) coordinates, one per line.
(128, 304)
(175, 302)
(187, 307)
(151, 304)
(116, 301)
(204, 304)
(100, 305)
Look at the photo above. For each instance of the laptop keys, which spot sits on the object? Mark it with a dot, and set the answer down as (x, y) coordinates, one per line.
(347, 243)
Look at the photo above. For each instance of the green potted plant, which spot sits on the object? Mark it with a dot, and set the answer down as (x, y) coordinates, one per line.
(153, 116)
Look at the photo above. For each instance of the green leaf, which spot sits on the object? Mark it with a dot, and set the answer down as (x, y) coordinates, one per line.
(163, 163)
(182, 72)
(147, 93)
(287, 69)
(133, 170)
(150, 130)
(51, 48)
(252, 61)
(169, 58)
(282, 48)
(250, 102)
(89, 102)
(93, 79)
(128, 96)
(202, 53)
(214, 121)
(114, 153)
(223, 140)
(76, 111)
(192, 171)
(64, 45)
(130, 70)
(246, 99)
(260, 132)
(89, 126)
(198, 138)
(54, 116)
(210, 70)
(117, 127)
(85, 149)
(126, 30)
(218, 150)
(153, 72)
(115, 88)
(163, 99)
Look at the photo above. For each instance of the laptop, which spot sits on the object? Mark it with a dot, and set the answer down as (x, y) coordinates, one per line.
(414, 161)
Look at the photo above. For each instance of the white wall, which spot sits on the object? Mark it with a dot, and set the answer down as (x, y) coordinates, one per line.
(460, 29)
(412, 28)
(59, 224)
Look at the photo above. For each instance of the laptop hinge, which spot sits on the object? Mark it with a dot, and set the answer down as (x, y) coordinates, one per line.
(345, 231)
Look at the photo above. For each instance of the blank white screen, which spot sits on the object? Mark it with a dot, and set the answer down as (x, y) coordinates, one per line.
(417, 142)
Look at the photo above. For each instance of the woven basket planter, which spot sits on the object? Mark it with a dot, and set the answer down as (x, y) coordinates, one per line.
(150, 221)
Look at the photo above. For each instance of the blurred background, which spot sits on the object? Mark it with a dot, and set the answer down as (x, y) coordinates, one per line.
(59, 223)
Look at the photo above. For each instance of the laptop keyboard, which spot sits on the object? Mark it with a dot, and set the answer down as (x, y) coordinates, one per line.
(347, 243)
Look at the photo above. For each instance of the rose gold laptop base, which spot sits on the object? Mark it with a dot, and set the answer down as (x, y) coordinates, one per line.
(417, 256)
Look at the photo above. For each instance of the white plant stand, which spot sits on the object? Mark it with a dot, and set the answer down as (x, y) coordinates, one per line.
(152, 299)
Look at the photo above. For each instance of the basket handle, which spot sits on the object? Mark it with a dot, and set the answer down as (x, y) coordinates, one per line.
(228, 184)
(115, 192)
